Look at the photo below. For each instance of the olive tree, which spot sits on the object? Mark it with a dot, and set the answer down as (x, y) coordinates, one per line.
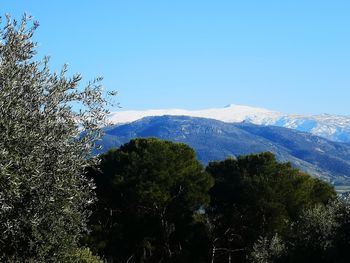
(44, 194)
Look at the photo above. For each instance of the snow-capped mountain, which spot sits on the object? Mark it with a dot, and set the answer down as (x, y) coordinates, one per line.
(332, 127)
(217, 140)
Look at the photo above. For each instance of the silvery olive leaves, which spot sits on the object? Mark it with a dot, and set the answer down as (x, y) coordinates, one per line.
(44, 194)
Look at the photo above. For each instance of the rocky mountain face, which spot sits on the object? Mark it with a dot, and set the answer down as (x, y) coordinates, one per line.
(217, 140)
(332, 127)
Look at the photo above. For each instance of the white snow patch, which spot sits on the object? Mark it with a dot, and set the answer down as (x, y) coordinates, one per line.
(325, 125)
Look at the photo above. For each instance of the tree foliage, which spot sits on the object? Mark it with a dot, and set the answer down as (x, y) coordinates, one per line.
(150, 193)
(156, 202)
(153, 205)
(268, 250)
(320, 234)
(84, 255)
(43, 191)
(256, 196)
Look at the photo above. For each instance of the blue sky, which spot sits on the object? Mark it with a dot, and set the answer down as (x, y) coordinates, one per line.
(292, 55)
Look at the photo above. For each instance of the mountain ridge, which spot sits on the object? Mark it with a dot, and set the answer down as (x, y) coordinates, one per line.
(217, 140)
(332, 127)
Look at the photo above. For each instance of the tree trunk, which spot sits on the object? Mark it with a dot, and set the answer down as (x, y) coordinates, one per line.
(213, 254)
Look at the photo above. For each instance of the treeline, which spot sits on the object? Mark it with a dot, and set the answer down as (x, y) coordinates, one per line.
(149, 200)
(157, 203)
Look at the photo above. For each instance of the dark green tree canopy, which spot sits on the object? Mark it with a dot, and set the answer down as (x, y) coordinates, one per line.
(256, 195)
(156, 185)
(154, 173)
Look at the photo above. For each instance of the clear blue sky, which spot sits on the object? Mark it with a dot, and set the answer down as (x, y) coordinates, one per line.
(292, 55)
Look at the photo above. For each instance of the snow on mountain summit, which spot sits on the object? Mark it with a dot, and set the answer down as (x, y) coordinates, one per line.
(230, 113)
(333, 127)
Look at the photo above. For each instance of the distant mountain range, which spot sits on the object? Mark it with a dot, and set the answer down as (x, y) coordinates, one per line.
(332, 127)
(217, 140)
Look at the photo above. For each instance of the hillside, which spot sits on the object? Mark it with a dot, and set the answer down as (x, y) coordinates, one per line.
(216, 140)
(332, 127)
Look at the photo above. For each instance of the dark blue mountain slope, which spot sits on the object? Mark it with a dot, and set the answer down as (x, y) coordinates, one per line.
(216, 140)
